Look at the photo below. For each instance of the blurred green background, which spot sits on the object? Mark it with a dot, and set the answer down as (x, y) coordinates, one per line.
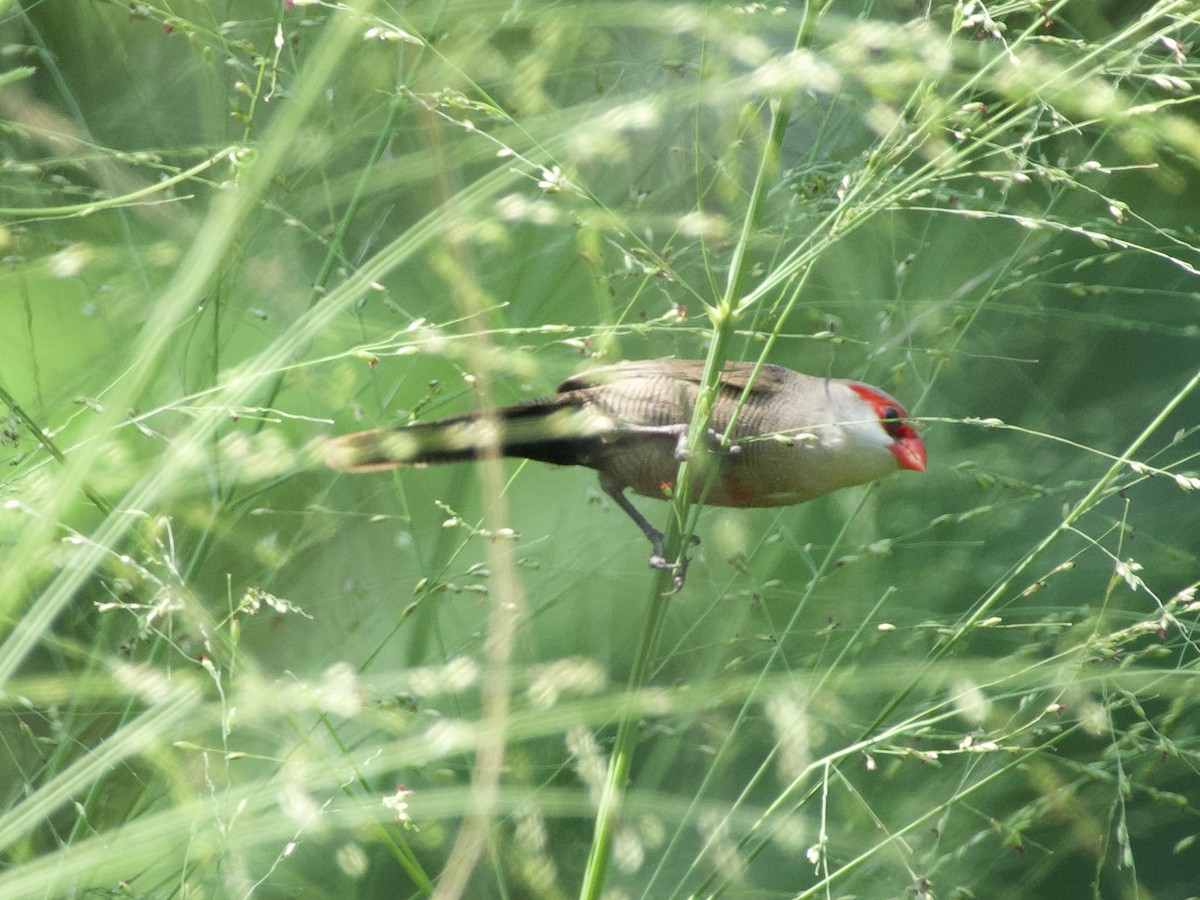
(232, 230)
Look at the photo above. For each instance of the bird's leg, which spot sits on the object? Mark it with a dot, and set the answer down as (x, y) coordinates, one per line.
(680, 433)
(616, 490)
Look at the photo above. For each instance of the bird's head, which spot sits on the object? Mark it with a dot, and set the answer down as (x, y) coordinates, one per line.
(887, 426)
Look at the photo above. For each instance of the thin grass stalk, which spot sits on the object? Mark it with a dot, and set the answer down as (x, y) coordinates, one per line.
(506, 598)
(724, 317)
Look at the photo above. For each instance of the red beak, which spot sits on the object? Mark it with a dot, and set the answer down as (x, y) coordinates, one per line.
(909, 451)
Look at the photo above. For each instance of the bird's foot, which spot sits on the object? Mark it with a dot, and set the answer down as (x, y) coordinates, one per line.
(680, 567)
(680, 432)
(712, 439)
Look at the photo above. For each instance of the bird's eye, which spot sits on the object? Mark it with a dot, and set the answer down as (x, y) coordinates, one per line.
(891, 421)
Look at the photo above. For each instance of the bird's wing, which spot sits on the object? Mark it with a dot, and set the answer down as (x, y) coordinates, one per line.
(735, 376)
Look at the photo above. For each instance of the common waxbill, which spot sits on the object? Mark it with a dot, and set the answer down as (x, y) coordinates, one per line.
(796, 437)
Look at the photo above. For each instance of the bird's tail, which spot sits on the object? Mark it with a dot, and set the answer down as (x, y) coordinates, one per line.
(554, 429)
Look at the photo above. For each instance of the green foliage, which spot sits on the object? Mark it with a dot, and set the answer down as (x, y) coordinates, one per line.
(231, 230)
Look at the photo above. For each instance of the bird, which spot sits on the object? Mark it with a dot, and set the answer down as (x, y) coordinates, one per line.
(794, 438)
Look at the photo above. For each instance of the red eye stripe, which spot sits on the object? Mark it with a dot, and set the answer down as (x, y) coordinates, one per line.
(889, 411)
